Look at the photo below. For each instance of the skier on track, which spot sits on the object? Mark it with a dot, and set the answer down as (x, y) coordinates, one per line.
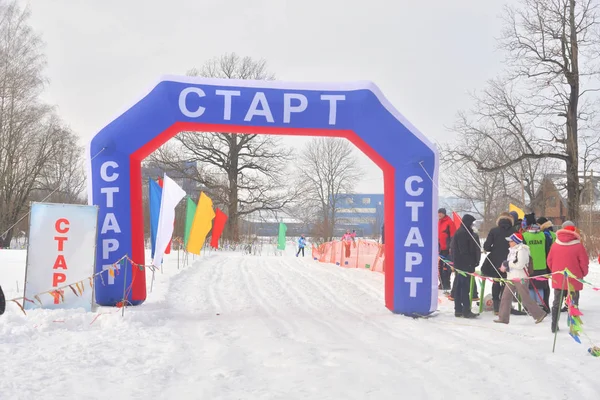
(347, 240)
(301, 245)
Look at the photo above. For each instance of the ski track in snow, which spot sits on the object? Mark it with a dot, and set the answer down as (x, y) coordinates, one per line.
(276, 327)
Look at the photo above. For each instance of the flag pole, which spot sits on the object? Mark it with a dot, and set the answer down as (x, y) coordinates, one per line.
(558, 311)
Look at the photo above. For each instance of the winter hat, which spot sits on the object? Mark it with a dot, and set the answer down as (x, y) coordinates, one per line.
(505, 216)
(515, 237)
(544, 223)
(514, 215)
(468, 220)
(568, 223)
(528, 220)
(442, 211)
(534, 228)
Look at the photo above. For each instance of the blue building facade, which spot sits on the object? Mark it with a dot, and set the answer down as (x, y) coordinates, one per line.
(361, 212)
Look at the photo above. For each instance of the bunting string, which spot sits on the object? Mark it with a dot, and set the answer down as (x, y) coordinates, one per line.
(544, 277)
(574, 314)
(78, 288)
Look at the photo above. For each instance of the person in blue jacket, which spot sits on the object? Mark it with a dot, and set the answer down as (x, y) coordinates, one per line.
(301, 245)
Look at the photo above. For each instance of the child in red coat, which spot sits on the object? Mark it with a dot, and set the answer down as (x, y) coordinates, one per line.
(567, 253)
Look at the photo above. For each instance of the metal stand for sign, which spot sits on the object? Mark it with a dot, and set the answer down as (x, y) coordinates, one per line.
(123, 305)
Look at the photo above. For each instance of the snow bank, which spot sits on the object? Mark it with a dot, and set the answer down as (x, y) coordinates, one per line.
(229, 326)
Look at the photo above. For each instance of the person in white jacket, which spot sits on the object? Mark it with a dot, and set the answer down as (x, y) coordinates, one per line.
(515, 266)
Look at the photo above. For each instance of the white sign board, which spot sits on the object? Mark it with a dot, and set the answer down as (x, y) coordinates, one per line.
(61, 251)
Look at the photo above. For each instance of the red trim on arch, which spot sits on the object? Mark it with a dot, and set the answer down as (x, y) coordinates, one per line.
(137, 216)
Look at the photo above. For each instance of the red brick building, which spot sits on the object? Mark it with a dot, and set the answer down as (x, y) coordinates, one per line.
(550, 200)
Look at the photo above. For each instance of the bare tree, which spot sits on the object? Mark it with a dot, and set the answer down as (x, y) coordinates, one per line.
(485, 193)
(539, 109)
(328, 171)
(232, 66)
(243, 172)
(62, 179)
(26, 133)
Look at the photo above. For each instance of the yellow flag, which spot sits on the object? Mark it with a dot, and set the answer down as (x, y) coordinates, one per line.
(520, 213)
(201, 225)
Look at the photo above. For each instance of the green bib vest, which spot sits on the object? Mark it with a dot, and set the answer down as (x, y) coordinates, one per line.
(537, 248)
(553, 234)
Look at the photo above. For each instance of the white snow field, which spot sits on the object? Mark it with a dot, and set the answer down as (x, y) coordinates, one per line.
(229, 326)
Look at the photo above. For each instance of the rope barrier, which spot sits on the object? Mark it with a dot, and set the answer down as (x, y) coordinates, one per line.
(476, 241)
(78, 287)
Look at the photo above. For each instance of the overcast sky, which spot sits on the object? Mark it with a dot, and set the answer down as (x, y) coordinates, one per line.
(424, 55)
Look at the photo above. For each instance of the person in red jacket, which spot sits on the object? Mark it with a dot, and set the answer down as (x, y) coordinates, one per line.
(446, 230)
(347, 241)
(567, 253)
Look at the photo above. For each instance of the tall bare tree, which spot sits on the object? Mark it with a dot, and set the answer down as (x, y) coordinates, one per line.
(328, 171)
(483, 192)
(24, 145)
(36, 151)
(539, 109)
(62, 179)
(244, 172)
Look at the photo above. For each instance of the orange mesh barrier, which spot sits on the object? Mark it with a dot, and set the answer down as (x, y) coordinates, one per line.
(359, 254)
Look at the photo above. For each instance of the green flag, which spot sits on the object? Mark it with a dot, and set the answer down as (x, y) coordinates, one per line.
(281, 238)
(190, 211)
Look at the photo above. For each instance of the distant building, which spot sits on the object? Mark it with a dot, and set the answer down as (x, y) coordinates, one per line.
(361, 212)
(270, 226)
(551, 197)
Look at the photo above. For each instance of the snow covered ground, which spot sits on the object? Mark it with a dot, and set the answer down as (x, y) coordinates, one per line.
(230, 326)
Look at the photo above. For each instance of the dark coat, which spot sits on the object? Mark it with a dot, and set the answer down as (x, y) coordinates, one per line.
(2, 302)
(464, 249)
(497, 246)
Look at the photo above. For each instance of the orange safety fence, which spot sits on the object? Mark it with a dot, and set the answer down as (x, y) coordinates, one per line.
(358, 254)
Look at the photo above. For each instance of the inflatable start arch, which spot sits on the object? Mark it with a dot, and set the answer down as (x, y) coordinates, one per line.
(356, 111)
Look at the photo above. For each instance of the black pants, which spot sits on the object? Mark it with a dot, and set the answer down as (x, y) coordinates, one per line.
(497, 289)
(556, 306)
(556, 303)
(444, 270)
(453, 291)
(547, 293)
(301, 249)
(462, 304)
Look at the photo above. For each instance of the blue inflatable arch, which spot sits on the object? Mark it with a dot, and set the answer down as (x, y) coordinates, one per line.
(356, 111)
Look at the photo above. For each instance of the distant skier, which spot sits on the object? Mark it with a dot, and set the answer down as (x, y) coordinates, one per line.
(2, 301)
(301, 245)
(347, 240)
